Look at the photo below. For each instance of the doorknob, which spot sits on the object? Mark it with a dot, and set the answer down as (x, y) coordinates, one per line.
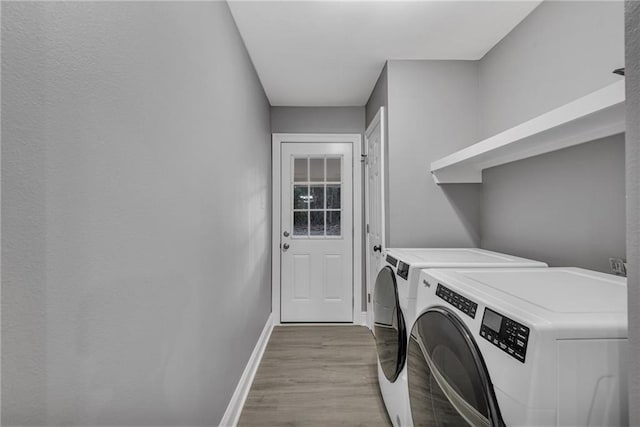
(377, 248)
(285, 234)
(285, 246)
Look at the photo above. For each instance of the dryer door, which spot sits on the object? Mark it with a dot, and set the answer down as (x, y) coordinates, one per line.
(389, 326)
(448, 380)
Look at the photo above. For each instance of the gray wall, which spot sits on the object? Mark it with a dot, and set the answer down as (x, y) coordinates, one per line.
(632, 14)
(135, 232)
(561, 51)
(565, 208)
(317, 119)
(432, 112)
(379, 96)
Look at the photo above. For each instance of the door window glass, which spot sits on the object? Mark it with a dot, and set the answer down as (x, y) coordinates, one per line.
(333, 196)
(317, 203)
(317, 223)
(300, 224)
(300, 196)
(333, 170)
(316, 169)
(333, 223)
(300, 168)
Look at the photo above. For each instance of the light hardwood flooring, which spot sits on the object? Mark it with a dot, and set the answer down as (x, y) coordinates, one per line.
(316, 376)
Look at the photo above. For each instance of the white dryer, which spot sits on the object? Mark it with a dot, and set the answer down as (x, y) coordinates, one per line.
(394, 308)
(518, 347)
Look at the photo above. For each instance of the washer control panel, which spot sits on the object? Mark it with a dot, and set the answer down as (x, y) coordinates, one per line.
(463, 304)
(391, 260)
(403, 270)
(506, 334)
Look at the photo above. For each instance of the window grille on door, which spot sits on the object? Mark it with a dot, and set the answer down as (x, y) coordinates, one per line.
(317, 192)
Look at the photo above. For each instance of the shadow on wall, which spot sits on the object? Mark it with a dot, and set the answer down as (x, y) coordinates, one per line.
(465, 200)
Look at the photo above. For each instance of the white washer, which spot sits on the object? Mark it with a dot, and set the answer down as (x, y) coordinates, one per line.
(394, 307)
(518, 347)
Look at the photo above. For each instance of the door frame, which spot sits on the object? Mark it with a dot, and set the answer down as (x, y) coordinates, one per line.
(355, 139)
(377, 119)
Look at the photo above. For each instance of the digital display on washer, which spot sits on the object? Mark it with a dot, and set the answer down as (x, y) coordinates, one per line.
(506, 334)
(403, 270)
(493, 320)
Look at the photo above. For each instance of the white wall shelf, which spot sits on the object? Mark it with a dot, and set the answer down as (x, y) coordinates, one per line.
(596, 115)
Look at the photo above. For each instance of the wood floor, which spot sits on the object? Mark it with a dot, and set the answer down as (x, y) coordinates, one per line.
(316, 376)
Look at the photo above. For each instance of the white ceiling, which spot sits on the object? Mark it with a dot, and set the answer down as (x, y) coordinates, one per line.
(330, 53)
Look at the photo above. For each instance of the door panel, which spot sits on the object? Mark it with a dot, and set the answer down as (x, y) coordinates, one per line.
(302, 276)
(317, 232)
(333, 266)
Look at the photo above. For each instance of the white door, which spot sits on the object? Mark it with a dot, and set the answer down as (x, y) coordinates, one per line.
(374, 204)
(316, 232)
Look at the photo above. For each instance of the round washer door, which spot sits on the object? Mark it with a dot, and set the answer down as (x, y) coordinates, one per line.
(389, 326)
(448, 380)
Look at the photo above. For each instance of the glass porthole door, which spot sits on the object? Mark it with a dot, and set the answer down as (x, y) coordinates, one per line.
(448, 382)
(389, 326)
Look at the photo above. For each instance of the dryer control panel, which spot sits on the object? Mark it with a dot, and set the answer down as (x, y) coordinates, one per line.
(391, 260)
(463, 304)
(506, 334)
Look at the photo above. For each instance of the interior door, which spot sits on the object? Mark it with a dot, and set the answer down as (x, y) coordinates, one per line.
(317, 232)
(374, 204)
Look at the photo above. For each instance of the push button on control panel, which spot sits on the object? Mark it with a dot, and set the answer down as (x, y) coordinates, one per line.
(463, 304)
(506, 334)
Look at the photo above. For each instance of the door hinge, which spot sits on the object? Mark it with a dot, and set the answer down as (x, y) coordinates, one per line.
(367, 228)
(363, 158)
(369, 298)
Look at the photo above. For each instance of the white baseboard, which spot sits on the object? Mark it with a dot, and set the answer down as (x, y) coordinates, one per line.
(234, 409)
(362, 319)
